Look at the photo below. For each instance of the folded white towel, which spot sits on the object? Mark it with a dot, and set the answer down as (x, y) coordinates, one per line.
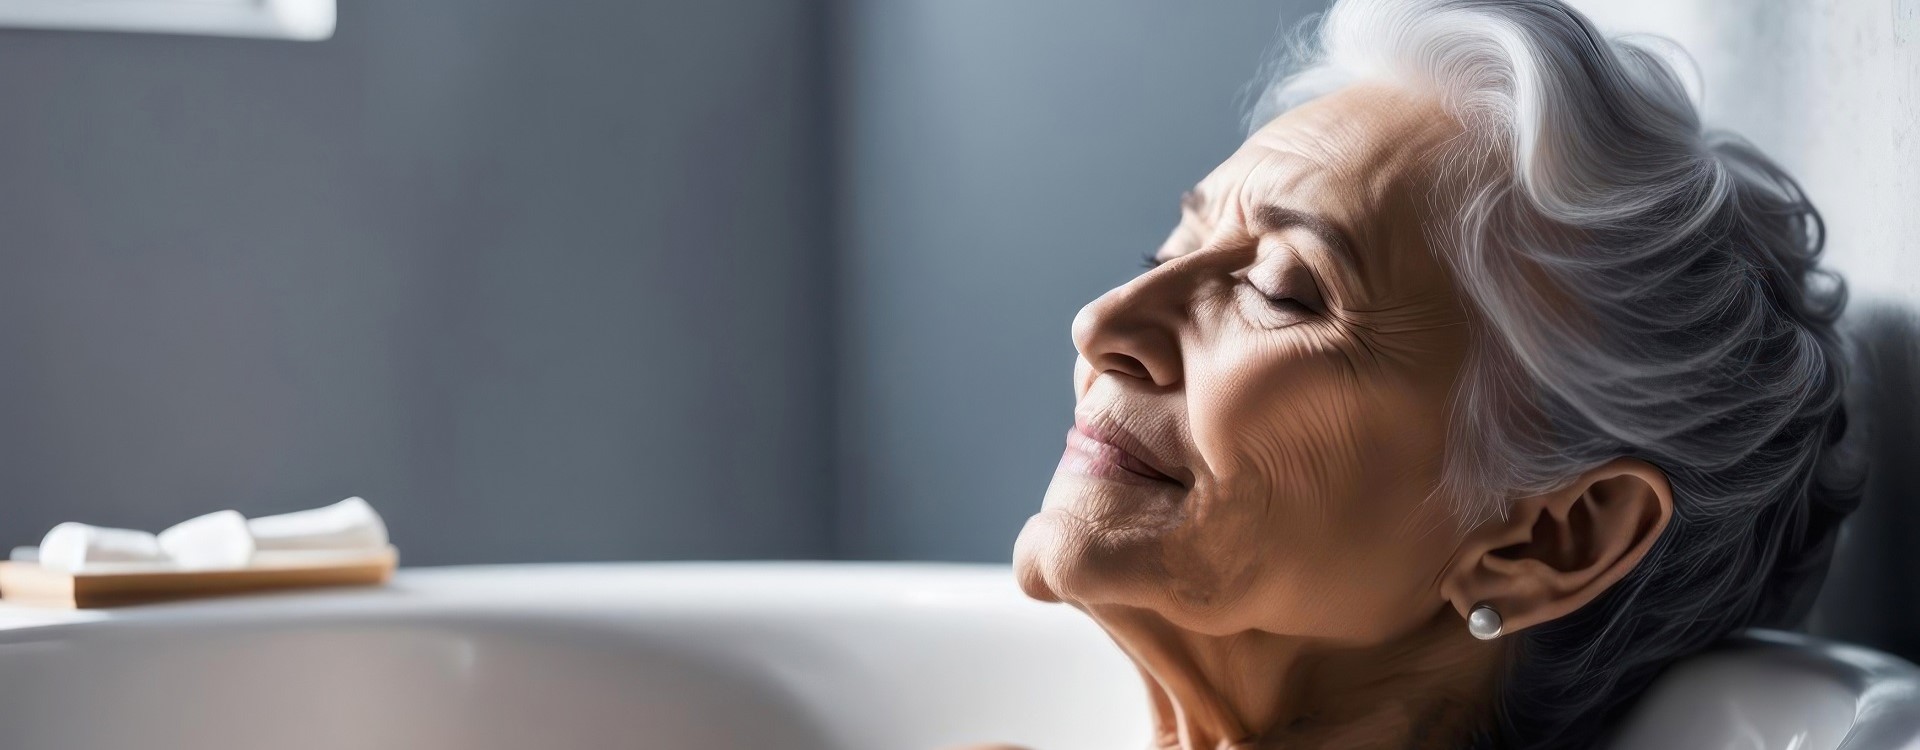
(350, 524)
(216, 540)
(71, 547)
(348, 529)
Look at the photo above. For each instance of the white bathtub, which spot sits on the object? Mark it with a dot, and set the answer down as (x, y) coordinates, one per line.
(788, 656)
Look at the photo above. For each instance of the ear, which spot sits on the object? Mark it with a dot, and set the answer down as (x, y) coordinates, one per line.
(1555, 552)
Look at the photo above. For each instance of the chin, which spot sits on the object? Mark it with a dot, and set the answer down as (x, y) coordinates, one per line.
(1090, 542)
(1034, 555)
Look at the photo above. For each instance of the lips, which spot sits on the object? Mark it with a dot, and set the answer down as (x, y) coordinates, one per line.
(1107, 452)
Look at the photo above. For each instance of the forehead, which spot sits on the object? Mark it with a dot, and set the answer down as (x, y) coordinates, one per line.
(1367, 136)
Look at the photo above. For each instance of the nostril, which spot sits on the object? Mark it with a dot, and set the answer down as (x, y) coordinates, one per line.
(1125, 365)
(1126, 333)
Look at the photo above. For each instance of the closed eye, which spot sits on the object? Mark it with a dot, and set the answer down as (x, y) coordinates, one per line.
(1150, 261)
(1286, 304)
(1287, 284)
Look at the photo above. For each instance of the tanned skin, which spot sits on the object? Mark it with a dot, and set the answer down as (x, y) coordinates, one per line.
(1248, 500)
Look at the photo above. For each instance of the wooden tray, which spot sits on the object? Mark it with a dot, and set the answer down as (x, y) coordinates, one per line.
(28, 583)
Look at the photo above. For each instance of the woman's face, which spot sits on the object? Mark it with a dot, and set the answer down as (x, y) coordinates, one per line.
(1261, 418)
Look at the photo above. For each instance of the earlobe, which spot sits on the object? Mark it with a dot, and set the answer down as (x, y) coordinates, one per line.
(1553, 553)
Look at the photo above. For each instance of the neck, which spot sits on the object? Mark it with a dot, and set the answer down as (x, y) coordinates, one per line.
(1254, 690)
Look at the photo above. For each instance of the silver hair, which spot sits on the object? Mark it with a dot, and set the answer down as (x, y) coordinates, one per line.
(1641, 286)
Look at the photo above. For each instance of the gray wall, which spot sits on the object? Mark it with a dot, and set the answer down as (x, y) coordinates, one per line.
(541, 280)
(753, 278)
(559, 282)
(1004, 162)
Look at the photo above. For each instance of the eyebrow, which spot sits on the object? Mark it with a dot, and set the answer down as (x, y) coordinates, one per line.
(1271, 218)
(1275, 218)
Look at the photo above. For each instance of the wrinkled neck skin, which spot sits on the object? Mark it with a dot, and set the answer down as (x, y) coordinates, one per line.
(1254, 690)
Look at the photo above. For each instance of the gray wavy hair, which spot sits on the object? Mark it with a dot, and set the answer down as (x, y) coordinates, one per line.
(1641, 286)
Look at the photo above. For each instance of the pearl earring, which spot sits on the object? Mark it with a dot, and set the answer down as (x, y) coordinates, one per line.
(1483, 622)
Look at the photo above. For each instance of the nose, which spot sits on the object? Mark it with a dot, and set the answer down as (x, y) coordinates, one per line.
(1133, 330)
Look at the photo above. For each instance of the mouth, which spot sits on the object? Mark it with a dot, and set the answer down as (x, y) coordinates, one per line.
(1098, 450)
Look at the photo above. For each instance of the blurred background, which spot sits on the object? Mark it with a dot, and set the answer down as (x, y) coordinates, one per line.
(589, 281)
(727, 279)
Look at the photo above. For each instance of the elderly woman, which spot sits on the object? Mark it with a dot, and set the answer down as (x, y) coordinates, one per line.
(1479, 385)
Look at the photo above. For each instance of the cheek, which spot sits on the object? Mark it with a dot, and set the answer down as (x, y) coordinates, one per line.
(1376, 581)
(1314, 509)
(1281, 434)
